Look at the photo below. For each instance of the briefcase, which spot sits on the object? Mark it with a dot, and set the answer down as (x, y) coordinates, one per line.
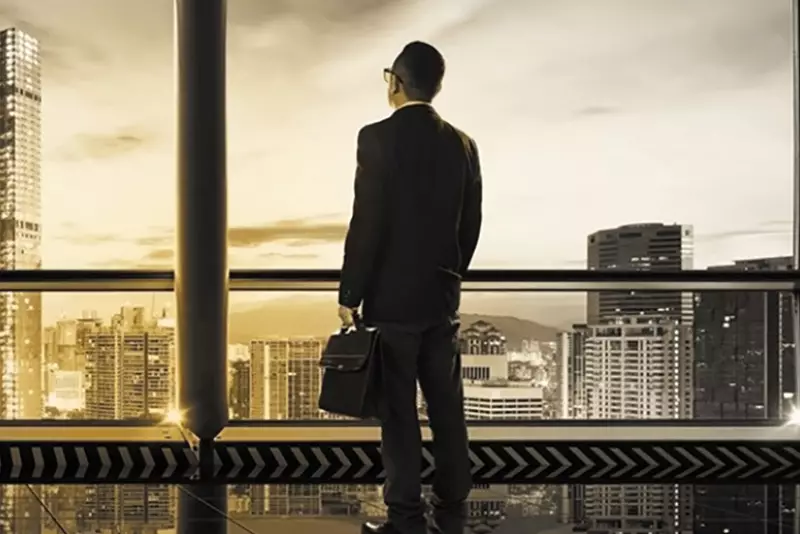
(351, 372)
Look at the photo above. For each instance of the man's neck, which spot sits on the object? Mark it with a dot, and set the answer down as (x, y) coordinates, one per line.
(413, 103)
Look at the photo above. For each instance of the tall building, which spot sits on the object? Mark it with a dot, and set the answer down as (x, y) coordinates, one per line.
(240, 381)
(130, 368)
(638, 368)
(636, 362)
(21, 366)
(640, 247)
(744, 349)
(286, 378)
(744, 352)
(572, 373)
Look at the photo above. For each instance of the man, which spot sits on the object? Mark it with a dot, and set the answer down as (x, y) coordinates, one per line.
(415, 225)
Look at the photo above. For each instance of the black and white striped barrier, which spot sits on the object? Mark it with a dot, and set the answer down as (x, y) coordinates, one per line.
(299, 453)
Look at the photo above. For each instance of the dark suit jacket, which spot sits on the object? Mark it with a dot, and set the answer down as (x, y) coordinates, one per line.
(416, 218)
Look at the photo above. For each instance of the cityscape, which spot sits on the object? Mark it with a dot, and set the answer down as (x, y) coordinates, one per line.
(631, 355)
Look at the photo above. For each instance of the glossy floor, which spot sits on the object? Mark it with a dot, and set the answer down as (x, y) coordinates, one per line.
(164, 509)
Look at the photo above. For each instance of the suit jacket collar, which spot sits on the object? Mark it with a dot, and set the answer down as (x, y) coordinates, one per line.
(416, 107)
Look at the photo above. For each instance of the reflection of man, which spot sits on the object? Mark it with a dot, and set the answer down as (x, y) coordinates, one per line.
(414, 229)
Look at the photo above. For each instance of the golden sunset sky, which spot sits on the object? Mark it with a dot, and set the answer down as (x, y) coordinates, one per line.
(588, 114)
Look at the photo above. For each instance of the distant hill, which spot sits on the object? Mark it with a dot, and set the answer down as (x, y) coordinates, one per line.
(317, 317)
(515, 329)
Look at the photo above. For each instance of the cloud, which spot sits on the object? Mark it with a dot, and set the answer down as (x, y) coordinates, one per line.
(771, 228)
(60, 52)
(106, 146)
(295, 232)
(282, 256)
(159, 255)
(596, 110)
(311, 12)
(290, 232)
(164, 258)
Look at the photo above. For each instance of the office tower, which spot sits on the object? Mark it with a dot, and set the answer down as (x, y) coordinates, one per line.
(21, 392)
(130, 368)
(744, 349)
(640, 247)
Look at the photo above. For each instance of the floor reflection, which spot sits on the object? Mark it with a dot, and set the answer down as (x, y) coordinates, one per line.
(164, 509)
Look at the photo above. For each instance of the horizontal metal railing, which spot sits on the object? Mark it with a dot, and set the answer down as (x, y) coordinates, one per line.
(335, 424)
(483, 280)
(324, 452)
(669, 430)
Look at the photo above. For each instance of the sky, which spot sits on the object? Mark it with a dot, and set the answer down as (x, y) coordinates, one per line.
(588, 114)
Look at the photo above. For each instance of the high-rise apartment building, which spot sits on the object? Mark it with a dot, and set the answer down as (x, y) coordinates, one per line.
(638, 368)
(286, 378)
(21, 366)
(641, 247)
(572, 373)
(130, 368)
(239, 381)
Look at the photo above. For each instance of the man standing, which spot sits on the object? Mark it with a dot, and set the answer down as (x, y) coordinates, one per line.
(414, 228)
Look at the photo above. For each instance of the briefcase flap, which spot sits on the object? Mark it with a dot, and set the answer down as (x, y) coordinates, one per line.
(350, 351)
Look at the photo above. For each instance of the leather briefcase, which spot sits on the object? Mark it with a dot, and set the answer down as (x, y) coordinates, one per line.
(350, 379)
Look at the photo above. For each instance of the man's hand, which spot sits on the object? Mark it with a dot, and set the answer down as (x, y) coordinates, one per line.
(346, 316)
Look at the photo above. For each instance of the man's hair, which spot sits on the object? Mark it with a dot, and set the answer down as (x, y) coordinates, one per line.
(420, 68)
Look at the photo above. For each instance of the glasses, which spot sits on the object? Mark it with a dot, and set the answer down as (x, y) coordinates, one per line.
(388, 74)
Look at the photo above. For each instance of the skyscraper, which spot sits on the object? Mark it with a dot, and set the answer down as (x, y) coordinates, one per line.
(638, 368)
(744, 349)
(21, 394)
(130, 368)
(635, 360)
(286, 377)
(640, 247)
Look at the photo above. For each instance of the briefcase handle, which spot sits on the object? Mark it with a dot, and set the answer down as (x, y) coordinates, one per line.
(358, 323)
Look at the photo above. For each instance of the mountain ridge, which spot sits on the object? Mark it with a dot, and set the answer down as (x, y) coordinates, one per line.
(308, 317)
